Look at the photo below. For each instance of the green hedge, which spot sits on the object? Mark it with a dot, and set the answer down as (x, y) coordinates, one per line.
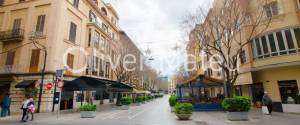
(237, 104)
(88, 107)
(173, 100)
(126, 100)
(140, 99)
(183, 108)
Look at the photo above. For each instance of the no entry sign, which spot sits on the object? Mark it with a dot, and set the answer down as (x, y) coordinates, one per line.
(49, 86)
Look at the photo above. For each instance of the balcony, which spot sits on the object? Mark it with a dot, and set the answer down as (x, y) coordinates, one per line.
(16, 35)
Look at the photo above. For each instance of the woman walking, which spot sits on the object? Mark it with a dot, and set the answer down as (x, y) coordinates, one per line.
(28, 108)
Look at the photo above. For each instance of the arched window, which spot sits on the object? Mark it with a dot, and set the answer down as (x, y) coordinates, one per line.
(103, 10)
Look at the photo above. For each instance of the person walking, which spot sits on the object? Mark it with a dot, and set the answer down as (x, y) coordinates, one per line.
(267, 101)
(24, 107)
(6, 106)
(31, 108)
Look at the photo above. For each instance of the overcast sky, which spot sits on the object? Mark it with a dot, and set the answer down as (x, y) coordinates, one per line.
(155, 24)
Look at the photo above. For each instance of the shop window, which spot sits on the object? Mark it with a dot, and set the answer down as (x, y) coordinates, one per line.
(289, 92)
(80, 97)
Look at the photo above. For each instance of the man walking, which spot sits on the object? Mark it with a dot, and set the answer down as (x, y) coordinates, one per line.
(6, 106)
(267, 101)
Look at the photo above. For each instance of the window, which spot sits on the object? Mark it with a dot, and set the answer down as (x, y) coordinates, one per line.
(289, 41)
(40, 24)
(96, 39)
(107, 70)
(297, 35)
(289, 92)
(1, 2)
(10, 58)
(70, 60)
(96, 2)
(90, 38)
(92, 17)
(265, 46)
(272, 44)
(17, 24)
(258, 47)
(271, 9)
(254, 49)
(281, 43)
(21, 0)
(34, 61)
(76, 3)
(298, 1)
(72, 33)
(104, 27)
(243, 57)
(96, 65)
(101, 72)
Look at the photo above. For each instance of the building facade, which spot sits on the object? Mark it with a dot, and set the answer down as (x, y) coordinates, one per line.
(60, 28)
(271, 62)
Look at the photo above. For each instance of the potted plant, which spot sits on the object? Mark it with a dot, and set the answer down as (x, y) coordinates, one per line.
(143, 99)
(88, 111)
(126, 101)
(183, 110)
(172, 101)
(237, 108)
(139, 100)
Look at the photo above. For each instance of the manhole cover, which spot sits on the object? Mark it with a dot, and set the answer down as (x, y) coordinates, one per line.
(201, 123)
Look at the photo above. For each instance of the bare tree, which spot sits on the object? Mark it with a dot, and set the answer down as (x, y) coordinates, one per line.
(225, 30)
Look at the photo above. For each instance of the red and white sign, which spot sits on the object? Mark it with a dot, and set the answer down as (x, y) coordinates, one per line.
(49, 86)
(60, 83)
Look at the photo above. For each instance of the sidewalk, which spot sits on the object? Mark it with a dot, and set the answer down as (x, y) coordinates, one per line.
(255, 118)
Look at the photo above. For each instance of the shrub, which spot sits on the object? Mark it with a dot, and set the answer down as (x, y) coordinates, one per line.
(126, 100)
(237, 104)
(88, 107)
(183, 108)
(172, 100)
(140, 99)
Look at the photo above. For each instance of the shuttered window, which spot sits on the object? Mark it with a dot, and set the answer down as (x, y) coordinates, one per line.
(70, 60)
(76, 3)
(17, 24)
(34, 61)
(1, 2)
(40, 23)
(10, 58)
(72, 33)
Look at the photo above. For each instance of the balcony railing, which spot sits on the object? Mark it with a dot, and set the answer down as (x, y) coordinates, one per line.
(12, 35)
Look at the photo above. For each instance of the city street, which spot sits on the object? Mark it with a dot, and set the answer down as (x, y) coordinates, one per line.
(156, 112)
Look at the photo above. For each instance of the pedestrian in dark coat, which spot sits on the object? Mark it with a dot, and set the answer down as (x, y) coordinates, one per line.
(267, 101)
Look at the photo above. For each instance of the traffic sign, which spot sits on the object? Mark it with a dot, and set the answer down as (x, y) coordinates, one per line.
(49, 86)
(60, 73)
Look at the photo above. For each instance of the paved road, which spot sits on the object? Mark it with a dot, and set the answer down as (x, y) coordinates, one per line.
(156, 112)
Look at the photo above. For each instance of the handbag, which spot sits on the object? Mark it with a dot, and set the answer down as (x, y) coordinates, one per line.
(265, 110)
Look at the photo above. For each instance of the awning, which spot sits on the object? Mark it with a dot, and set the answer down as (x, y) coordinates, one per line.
(83, 83)
(91, 83)
(116, 86)
(26, 84)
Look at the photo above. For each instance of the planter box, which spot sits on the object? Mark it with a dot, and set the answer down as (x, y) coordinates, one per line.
(183, 116)
(88, 114)
(172, 109)
(237, 116)
(125, 107)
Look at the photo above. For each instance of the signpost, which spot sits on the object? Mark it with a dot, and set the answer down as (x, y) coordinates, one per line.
(59, 75)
